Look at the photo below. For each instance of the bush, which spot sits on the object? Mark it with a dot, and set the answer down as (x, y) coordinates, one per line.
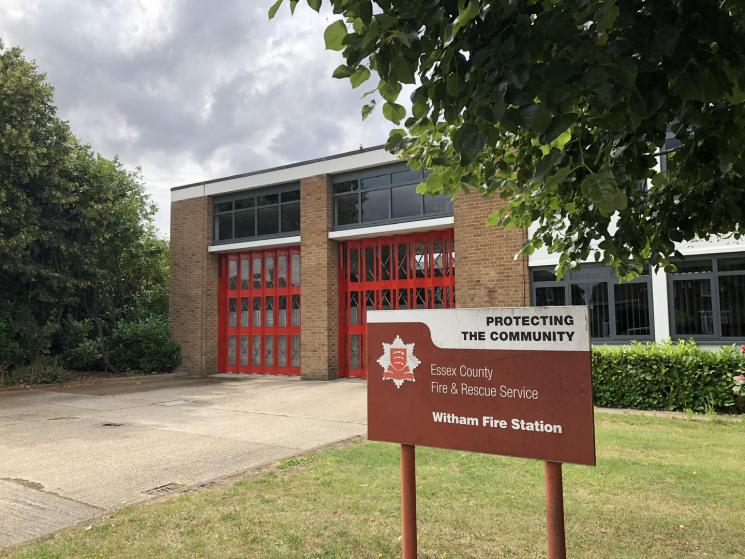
(86, 356)
(667, 376)
(144, 346)
(42, 370)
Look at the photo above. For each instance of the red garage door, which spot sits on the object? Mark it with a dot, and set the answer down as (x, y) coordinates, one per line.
(415, 271)
(259, 312)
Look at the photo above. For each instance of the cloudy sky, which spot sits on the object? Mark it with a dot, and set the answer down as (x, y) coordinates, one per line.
(192, 90)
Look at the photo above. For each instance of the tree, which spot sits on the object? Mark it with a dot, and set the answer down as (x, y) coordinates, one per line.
(565, 108)
(77, 241)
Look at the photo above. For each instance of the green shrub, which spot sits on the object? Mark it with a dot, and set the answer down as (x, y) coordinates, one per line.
(144, 346)
(86, 356)
(666, 376)
(9, 348)
(42, 370)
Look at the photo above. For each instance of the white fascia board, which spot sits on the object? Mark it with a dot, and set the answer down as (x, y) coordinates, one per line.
(393, 229)
(271, 177)
(249, 245)
(196, 191)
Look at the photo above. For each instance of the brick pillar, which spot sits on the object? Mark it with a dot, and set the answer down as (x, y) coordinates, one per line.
(319, 320)
(193, 290)
(486, 274)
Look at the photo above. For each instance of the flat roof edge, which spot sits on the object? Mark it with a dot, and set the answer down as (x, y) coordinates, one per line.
(279, 168)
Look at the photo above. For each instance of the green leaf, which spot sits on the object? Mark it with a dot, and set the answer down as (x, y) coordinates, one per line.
(602, 188)
(293, 5)
(389, 90)
(558, 125)
(360, 76)
(394, 112)
(334, 35)
(536, 117)
(607, 16)
(367, 109)
(465, 15)
(274, 7)
(469, 141)
(342, 71)
(315, 4)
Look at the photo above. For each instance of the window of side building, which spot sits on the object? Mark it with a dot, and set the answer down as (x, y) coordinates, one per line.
(707, 298)
(261, 213)
(383, 195)
(617, 311)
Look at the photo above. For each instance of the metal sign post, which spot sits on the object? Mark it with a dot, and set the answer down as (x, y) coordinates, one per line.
(408, 501)
(555, 511)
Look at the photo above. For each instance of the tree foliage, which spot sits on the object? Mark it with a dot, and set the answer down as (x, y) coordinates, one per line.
(78, 250)
(564, 107)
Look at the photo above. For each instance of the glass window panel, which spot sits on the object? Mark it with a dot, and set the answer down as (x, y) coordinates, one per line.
(731, 264)
(256, 351)
(347, 209)
(244, 350)
(550, 296)
(290, 218)
(689, 266)
(224, 207)
(420, 258)
(282, 312)
(295, 351)
(370, 262)
(245, 203)
(244, 312)
(267, 199)
(244, 273)
(354, 351)
(270, 311)
(245, 224)
(421, 298)
(345, 186)
(406, 176)
(692, 307)
(292, 196)
(354, 307)
(257, 312)
(370, 301)
(232, 313)
(295, 270)
(354, 265)
(385, 262)
(385, 299)
(405, 201)
(372, 182)
(595, 296)
(282, 270)
(269, 351)
(732, 305)
(296, 310)
(403, 299)
(282, 351)
(439, 268)
(269, 271)
(439, 302)
(224, 227)
(231, 350)
(268, 220)
(257, 272)
(632, 309)
(232, 275)
(544, 275)
(438, 204)
(403, 261)
(375, 205)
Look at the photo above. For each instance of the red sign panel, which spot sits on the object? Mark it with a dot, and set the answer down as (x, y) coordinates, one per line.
(514, 382)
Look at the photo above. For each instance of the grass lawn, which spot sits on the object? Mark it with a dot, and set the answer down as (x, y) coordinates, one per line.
(662, 488)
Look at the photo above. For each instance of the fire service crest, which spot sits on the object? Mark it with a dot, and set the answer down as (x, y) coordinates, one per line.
(398, 362)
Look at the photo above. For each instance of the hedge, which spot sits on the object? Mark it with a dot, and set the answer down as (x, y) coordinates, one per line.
(144, 346)
(667, 376)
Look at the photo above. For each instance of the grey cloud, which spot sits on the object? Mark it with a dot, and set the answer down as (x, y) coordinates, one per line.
(208, 89)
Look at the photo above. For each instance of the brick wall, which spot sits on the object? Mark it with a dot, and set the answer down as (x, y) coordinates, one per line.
(486, 273)
(193, 289)
(319, 282)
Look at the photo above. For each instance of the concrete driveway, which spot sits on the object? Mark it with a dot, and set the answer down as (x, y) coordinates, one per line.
(68, 454)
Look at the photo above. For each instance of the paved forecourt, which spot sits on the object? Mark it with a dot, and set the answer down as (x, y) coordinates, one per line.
(69, 454)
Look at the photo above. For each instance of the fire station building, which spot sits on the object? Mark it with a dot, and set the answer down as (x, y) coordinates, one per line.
(274, 271)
